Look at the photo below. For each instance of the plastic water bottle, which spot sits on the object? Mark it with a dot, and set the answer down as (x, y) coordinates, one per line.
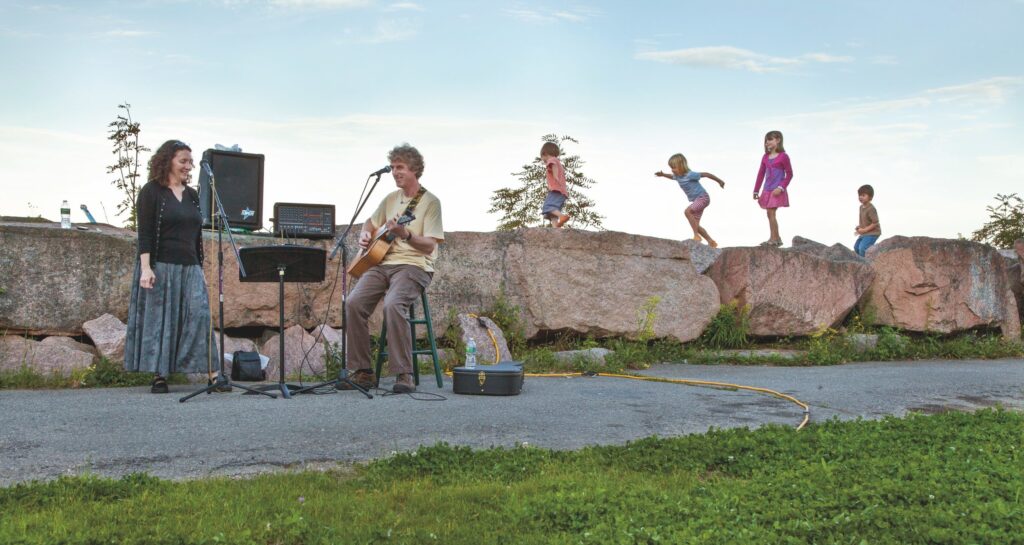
(471, 354)
(65, 215)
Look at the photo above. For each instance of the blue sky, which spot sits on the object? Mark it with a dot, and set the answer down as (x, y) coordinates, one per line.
(920, 99)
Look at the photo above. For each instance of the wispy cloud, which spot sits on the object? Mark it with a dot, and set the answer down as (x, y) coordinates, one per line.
(540, 16)
(125, 33)
(6, 32)
(735, 58)
(884, 59)
(404, 6)
(394, 31)
(826, 58)
(385, 31)
(319, 4)
(894, 122)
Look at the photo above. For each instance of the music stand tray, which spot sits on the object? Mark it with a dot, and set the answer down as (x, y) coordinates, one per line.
(282, 263)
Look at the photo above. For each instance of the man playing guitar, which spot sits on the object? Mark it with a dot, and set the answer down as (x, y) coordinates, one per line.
(404, 272)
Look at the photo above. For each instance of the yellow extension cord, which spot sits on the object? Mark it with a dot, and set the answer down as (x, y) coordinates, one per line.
(690, 382)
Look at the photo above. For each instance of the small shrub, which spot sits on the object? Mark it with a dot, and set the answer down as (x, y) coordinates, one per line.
(509, 318)
(828, 347)
(1006, 222)
(729, 328)
(645, 317)
(333, 359)
(891, 345)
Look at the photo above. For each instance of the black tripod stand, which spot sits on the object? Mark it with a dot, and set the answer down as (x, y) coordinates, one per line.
(340, 245)
(220, 222)
(284, 263)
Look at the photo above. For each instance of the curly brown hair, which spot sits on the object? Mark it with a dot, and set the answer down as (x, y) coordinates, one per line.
(408, 155)
(160, 162)
(550, 149)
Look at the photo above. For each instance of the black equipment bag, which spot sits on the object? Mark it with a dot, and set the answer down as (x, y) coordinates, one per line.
(501, 379)
(246, 367)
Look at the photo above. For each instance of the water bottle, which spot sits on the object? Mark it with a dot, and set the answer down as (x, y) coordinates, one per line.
(65, 215)
(471, 354)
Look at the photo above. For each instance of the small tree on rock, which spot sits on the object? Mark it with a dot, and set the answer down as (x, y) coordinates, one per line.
(124, 133)
(1006, 222)
(520, 206)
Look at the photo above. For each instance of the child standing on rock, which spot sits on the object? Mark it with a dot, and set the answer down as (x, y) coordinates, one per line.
(775, 173)
(689, 182)
(868, 228)
(557, 190)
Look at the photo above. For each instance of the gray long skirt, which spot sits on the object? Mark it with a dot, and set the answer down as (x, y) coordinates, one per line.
(169, 324)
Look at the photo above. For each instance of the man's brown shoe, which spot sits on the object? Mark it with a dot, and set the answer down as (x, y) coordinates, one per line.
(364, 378)
(404, 384)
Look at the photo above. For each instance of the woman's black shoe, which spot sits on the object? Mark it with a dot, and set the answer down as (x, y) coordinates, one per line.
(159, 386)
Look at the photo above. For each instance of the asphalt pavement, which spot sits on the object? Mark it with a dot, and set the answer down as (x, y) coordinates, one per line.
(113, 432)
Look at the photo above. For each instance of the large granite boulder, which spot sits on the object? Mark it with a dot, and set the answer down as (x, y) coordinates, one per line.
(792, 292)
(42, 357)
(1014, 259)
(592, 283)
(55, 279)
(487, 336)
(300, 348)
(940, 285)
(109, 335)
(248, 303)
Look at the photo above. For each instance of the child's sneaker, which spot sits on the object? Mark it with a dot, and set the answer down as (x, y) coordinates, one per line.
(563, 219)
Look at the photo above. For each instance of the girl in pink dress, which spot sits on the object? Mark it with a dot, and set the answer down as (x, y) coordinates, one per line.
(775, 174)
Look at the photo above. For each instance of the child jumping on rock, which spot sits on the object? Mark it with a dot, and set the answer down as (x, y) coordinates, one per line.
(689, 181)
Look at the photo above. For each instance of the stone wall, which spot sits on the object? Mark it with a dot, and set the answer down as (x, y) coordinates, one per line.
(54, 279)
(593, 283)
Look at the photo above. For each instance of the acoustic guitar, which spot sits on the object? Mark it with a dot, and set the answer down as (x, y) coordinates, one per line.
(378, 247)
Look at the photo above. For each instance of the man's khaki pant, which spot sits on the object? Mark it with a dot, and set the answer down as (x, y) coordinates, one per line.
(400, 286)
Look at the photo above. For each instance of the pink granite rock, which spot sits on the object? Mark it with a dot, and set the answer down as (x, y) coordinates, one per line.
(940, 285)
(108, 334)
(299, 347)
(792, 292)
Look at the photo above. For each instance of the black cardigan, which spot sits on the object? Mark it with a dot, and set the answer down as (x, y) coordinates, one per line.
(152, 200)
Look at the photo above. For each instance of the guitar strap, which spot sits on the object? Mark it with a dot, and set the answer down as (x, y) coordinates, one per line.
(415, 201)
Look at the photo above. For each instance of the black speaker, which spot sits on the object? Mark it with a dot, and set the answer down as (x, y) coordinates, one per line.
(239, 179)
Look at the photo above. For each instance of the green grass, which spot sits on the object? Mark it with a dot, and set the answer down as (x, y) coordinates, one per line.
(102, 374)
(948, 478)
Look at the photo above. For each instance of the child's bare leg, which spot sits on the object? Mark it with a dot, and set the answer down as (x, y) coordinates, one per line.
(773, 225)
(694, 223)
(707, 237)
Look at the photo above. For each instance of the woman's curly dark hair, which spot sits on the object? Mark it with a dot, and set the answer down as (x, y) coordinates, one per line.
(160, 162)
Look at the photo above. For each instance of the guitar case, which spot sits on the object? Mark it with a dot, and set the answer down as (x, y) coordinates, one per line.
(501, 379)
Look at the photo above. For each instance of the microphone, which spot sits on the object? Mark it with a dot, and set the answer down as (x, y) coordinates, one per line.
(384, 170)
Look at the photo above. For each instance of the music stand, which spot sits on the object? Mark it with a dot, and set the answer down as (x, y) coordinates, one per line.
(283, 263)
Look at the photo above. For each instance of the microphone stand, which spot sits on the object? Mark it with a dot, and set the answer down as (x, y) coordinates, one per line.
(221, 224)
(340, 245)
